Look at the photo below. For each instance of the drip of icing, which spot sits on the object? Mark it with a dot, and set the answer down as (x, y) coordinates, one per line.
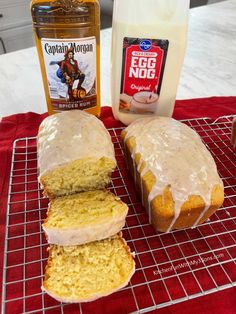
(142, 200)
(139, 165)
(201, 215)
(178, 205)
(133, 159)
(142, 173)
(141, 181)
(154, 192)
(176, 156)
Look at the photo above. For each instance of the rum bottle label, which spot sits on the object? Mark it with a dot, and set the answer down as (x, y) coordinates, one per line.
(71, 72)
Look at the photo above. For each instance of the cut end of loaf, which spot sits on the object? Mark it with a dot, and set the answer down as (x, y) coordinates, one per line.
(77, 176)
(84, 273)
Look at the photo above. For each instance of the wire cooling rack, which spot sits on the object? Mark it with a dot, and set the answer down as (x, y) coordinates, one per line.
(171, 268)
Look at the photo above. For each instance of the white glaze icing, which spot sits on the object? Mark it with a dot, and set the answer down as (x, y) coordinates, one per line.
(133, 158)
(71, 135)
(201, 215)
(177, 157)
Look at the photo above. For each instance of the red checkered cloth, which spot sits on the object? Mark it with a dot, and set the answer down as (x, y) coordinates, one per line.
(26, 125)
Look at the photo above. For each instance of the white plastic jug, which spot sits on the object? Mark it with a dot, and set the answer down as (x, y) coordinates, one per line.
(148, 46)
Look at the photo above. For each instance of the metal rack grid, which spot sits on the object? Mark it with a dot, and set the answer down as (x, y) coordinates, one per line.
(171, 268)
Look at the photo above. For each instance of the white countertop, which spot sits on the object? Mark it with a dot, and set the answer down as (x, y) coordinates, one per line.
(209, 67)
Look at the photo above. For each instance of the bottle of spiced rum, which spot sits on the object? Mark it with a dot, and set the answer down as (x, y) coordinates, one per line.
(67, 34)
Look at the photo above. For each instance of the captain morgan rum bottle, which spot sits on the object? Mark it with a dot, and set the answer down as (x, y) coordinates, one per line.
(67, 34)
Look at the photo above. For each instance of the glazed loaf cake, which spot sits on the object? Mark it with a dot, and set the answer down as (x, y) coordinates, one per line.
(75, 153)
(174, 172)
(85, 217)
(87, 272)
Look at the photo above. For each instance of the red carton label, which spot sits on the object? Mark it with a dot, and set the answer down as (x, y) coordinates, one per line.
(142, 74)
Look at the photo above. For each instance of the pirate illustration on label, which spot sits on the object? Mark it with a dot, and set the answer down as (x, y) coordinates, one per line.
(69, 72)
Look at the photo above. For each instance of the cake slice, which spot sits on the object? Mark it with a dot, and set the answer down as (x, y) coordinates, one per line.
(84, 217)
(75, 154)
(87, 272)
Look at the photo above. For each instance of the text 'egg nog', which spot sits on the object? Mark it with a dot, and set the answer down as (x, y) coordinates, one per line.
(148, 46)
